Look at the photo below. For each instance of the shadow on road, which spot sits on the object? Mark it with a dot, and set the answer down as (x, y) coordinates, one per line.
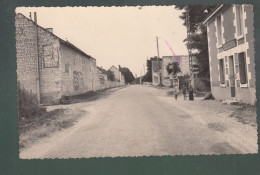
(90, 96)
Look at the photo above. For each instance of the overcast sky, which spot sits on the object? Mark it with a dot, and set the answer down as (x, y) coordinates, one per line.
(123, 36)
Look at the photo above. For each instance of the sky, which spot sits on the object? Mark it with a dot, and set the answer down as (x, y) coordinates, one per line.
(124, 36)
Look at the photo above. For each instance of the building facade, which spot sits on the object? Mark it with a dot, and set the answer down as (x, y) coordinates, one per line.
(51, 67)
(119, 77)
(156, 71)
(230, 33)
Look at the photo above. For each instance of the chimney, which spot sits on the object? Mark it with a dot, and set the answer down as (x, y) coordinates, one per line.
(35, 17)
(30, 15)
(50, 29)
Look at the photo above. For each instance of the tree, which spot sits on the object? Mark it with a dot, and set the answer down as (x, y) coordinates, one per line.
(129, 77)
(148, 76)
(173, 68)
(198, 37)
(110, 75)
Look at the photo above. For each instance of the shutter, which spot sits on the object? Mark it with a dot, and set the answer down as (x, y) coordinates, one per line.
(242, 68)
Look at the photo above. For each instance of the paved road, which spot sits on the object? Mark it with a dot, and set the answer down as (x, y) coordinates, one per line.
(134, 121)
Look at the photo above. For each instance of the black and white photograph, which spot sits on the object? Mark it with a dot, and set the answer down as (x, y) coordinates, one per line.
(132, 81)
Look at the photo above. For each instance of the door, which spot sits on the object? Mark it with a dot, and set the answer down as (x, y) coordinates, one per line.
(232, 76)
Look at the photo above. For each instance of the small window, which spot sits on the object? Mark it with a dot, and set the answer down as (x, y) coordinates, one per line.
(221, 71)
(102, 81)
(239, 18)
(242, 68)
(219, 30)
(67, 68)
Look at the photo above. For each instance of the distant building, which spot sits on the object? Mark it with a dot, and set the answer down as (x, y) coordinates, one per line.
(102, 78)
(156, 70)
(119, 77)
(231, 52)
(159, 69)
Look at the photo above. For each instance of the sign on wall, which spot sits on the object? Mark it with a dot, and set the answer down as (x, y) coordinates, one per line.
(77, 80)
(50, 56)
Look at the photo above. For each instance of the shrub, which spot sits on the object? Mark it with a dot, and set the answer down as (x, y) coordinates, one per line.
(28, 106)
(201, 85)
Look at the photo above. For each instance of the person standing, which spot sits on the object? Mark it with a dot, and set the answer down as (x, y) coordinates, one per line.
(184, 91)
(175, 92)
(191, 97)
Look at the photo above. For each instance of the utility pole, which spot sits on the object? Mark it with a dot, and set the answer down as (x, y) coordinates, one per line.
(191, 83)
(158, 61)
(157, 48)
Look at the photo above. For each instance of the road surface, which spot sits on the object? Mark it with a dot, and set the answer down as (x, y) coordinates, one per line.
(142, 121)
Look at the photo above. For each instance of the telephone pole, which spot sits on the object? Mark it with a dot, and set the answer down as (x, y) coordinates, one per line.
(157, 48)
(191, 84)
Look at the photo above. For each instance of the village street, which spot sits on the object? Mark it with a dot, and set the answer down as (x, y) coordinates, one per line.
(139, 120)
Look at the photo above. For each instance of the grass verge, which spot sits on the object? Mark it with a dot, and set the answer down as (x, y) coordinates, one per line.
(88, 96)
(33, 129)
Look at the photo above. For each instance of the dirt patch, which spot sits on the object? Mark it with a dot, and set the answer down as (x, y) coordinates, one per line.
(170, 93)
(245, 114)
(184, 116)
(31, 130)
(224, 148)
(217, 127)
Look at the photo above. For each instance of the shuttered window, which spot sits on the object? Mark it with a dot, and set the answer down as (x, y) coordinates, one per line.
(239, 18)
(219, 30)
(242, 68)
(221, 71)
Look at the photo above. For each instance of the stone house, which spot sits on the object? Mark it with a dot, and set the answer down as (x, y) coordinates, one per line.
(49, 66)
(119, 77)
(156, 70)
(230, 33)
(159, 67)
(103, 78)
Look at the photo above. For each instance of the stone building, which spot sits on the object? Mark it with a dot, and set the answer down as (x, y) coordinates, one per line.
(230, 33)
(159, 70)
(51, 67)
(102, 78)
(119, 77)
(156, 70)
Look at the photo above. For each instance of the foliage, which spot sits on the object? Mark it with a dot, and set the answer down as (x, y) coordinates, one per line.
(148, 76)
(201, 85)
(129, 77)
(176, 68)
(28, 106)
(110, 75)
(198, 37)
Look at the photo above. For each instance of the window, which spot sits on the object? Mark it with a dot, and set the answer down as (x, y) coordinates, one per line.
(221, 71)
(242, 68)
(102, 81)
(219, 30)
(67, 68)
(239, 18)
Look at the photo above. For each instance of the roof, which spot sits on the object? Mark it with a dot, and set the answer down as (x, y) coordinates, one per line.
(61, 40)
(114, 67)
(213, 12)
(103, 71)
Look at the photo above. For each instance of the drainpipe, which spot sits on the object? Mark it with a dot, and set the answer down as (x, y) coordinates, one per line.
(38, 62)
